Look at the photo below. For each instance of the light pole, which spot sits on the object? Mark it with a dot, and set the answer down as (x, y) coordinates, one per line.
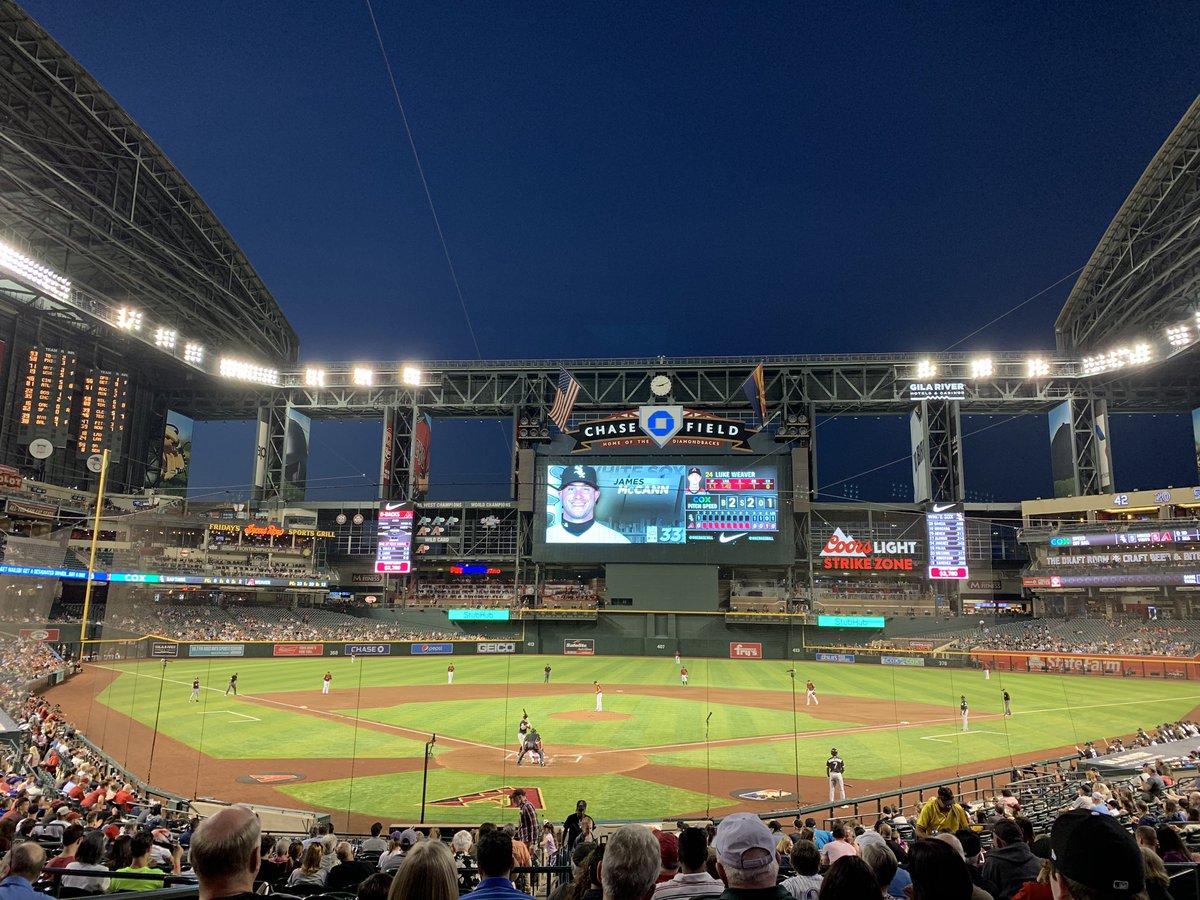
(795, 740)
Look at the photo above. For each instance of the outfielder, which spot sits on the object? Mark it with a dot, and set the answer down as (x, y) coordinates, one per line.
(195, 690)
(962, 709)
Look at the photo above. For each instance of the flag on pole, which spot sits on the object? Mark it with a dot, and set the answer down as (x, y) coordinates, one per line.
(756, 392)
(566, 392)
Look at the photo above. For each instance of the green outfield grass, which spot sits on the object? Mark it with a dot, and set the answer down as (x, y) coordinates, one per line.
(1050, 711)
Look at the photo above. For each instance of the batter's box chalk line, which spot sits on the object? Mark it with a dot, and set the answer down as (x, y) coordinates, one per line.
(944, 738)
(230, 712)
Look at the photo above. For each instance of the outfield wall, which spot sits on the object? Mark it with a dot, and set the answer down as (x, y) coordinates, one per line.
(1084, 664)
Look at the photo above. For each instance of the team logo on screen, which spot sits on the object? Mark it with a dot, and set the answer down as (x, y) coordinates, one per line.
(661, 423)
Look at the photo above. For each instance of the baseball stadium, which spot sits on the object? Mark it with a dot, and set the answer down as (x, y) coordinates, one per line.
(663, 619)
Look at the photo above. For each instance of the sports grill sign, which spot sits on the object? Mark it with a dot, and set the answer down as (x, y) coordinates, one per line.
(662, 426)
(164, 650)
(845, 554)
(741, 650)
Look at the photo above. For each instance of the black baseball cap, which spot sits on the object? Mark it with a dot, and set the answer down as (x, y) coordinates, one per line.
(584, 474)
(1095, 850)
(695, 470)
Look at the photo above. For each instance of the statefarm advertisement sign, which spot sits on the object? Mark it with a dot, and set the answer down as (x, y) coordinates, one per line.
(843, 553)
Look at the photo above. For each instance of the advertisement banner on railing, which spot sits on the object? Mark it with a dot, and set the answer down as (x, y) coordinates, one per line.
(39, 634)
(835, 657)
(740, 650)
(579, 647)
(367, 649)
(496, 647)
(901, 661)
(298, 650)
(216, 650)
(430, 649)
(164, 650)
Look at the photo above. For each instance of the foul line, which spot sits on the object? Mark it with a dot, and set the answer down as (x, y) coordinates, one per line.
(217, 712)
(955, 734)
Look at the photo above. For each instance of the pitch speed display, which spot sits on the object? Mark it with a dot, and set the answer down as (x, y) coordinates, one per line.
(724, 509)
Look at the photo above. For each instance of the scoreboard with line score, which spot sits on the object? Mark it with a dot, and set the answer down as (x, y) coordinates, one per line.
(946, 527)
(394, 533)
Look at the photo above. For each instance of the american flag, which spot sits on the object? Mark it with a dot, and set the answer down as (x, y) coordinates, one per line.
(566, 392)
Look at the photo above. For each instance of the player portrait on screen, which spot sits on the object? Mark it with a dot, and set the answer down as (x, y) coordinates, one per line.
(578, 491)
(695, 480)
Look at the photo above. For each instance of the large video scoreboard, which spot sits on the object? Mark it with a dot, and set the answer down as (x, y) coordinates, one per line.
(718, 509)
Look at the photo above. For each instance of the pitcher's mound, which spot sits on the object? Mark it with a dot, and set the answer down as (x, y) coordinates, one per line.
(583, 715)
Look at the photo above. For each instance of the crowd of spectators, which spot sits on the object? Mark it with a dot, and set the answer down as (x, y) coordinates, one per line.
(1133, 637)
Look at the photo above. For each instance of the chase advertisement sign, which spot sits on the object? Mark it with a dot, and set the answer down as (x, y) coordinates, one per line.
(662, 427)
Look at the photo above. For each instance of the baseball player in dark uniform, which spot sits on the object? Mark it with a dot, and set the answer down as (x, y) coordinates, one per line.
(1007, 704)
(232, 685)
(532, 745)
(962, 709)
(835, 767)
(195, 690)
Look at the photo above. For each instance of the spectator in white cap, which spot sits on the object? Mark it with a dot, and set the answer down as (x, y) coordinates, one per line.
(746, 859)
(632, 860)
(1094, 859)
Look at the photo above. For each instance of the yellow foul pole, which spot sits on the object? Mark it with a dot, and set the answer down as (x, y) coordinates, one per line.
(91, 569)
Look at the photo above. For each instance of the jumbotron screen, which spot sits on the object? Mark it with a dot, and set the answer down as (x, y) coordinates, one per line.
(721, 510)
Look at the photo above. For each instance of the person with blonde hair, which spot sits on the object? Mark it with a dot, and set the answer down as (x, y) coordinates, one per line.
(310, 870)
(428, 873)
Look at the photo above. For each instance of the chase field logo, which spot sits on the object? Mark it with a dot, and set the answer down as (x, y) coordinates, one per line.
(661, 423)
(659, 426)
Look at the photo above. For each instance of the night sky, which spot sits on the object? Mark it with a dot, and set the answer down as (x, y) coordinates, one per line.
(658, 178)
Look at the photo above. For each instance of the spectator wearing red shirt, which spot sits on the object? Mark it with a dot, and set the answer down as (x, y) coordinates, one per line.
(125, 797)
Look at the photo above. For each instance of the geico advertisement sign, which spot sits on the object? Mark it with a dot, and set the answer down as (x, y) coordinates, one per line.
(843, 553)
(496, 648)
(745, 651)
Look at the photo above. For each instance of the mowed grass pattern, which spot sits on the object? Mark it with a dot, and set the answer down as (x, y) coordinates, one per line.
(397, 798)
(1051, 711)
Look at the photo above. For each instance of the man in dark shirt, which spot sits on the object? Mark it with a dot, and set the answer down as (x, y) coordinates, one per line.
(573, 826)
(349, 872)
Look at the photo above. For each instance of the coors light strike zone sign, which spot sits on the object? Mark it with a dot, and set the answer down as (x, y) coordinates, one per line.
(843, 553)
